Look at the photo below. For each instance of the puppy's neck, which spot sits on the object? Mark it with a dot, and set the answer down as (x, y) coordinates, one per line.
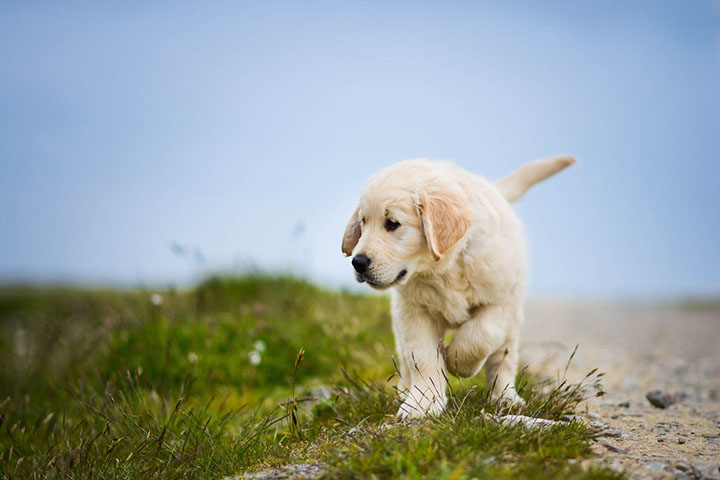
(436, 273)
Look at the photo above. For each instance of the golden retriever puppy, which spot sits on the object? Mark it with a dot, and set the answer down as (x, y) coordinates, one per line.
(452, 247)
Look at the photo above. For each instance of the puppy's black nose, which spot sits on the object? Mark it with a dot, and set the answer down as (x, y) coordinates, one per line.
(361, 263)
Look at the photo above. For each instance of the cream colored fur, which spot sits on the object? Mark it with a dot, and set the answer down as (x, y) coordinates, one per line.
(457, 261)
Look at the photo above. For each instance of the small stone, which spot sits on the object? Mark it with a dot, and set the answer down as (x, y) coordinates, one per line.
(616, 466)
(659, 399)
(599, 425)
(530, 422)
(292, 471)
(353, 431)
(705, 470)
(655, 467)
(610, 433)
(570, 418)
(590, 463)
(624, 404)
(613, 448)
(615, 417)
(697, 472)
(681, 441)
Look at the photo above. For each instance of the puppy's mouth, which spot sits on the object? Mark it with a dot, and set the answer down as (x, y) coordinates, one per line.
(380, 286)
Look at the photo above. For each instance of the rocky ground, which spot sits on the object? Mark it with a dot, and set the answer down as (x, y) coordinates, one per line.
(641, 348)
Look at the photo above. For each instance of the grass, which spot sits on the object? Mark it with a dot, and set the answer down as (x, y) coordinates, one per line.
(241, 374)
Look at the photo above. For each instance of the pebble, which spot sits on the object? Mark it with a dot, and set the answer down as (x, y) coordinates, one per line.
(616, 466)
(613, 448)
(697, 472)
(610, 433)
(352, 432)
(655, 467)
(570, 418)
(295, 471)
(530, 422)
(706, 471)
(599, 425)
(659, 399)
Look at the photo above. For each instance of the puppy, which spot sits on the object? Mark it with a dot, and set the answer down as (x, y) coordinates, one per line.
(452, 248)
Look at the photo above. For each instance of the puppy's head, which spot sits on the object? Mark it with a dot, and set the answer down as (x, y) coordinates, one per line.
(407, 219)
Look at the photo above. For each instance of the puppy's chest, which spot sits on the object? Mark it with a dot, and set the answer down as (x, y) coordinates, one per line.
(453, 305)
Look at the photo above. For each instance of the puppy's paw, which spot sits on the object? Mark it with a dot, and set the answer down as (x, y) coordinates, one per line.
(458, 364)
(418, 405)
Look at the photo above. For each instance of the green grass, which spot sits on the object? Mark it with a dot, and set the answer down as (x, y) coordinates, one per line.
(210, 383)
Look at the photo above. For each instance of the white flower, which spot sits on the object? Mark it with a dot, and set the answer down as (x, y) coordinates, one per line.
(260, 346)
(254, 357)
(156, 299)
(192, 357)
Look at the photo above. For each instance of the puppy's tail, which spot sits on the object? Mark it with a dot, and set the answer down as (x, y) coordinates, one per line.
(514, 185)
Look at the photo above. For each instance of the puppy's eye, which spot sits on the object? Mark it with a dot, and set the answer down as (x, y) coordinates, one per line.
(390, 225)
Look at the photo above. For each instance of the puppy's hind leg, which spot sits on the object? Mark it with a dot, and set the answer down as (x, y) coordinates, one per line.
(500, 370)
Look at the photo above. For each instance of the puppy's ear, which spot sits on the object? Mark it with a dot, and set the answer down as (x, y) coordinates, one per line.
(352, 233)
(445, 217)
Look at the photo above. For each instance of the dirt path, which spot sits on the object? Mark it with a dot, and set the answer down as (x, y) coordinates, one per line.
(641, 348)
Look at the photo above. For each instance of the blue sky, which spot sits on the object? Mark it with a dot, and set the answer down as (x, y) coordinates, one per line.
(243, 132)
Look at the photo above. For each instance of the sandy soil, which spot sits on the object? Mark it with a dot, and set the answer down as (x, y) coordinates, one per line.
(640, 348)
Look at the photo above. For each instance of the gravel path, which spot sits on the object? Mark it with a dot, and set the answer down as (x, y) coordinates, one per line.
(641, 348)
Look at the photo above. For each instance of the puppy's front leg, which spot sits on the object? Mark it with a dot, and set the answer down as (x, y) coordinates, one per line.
(418, 336)
(490, 336)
